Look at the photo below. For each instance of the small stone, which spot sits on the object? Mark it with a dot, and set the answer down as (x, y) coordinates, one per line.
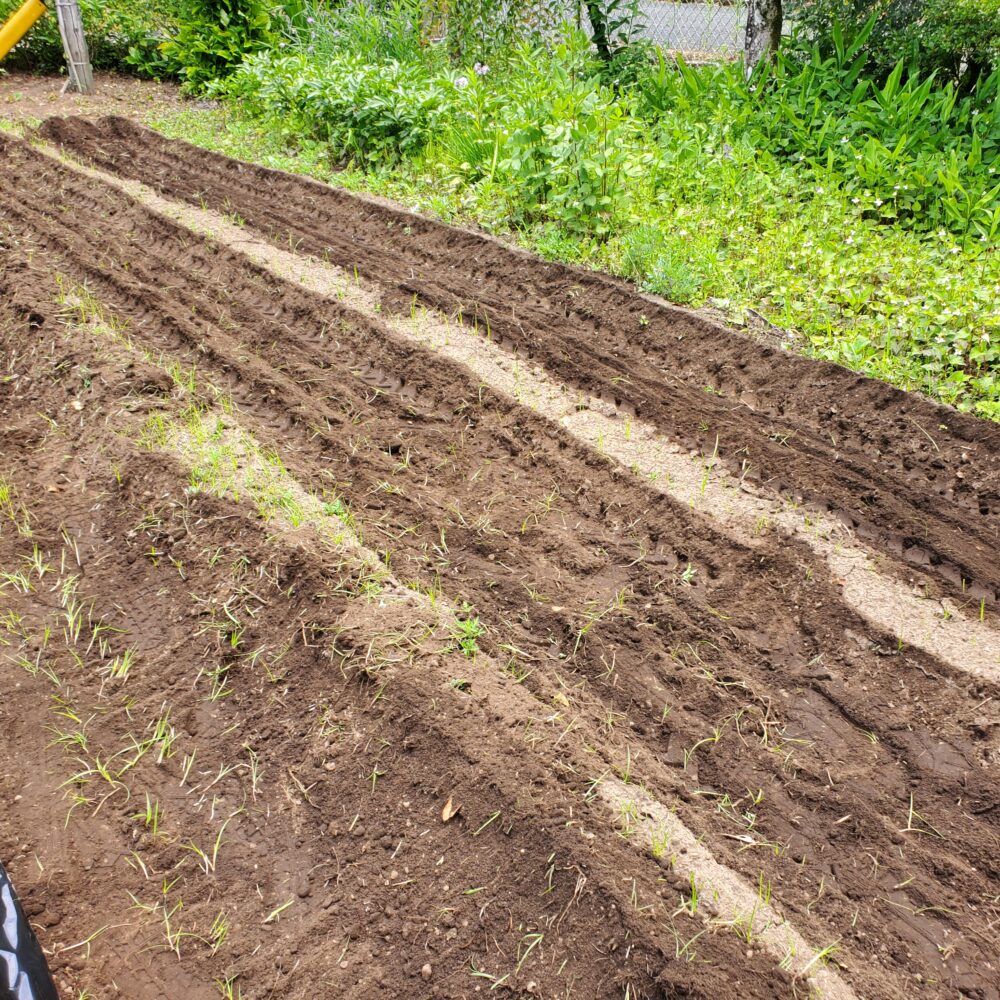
(427, 971)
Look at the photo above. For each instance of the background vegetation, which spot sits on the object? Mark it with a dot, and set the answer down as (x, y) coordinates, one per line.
(956, 39)
(121, 34)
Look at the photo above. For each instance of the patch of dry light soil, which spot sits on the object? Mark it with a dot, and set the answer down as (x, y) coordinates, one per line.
(26, 96)
(387, 613)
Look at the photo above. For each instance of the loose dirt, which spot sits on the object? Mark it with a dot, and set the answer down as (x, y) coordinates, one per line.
(24, 95)
(938, 626)
(350, 653)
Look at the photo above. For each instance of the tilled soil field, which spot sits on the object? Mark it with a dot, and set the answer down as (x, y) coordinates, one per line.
(387, 613)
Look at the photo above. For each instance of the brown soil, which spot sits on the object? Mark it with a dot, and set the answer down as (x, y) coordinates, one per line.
(922, 480)
(323, 716)
(24, 95)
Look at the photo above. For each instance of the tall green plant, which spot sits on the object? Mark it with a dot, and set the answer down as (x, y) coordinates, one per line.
(573, 154)
(960, 38)
(484, 29)
(613, 24)
(214, 37)
(396, 30)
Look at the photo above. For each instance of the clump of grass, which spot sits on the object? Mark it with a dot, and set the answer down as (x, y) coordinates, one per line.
(11, 508)
(466, 633)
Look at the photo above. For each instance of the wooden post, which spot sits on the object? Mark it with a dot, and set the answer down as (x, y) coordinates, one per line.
(81, 75)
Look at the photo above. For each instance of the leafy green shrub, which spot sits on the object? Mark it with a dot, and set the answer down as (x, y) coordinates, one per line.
(629, 63)
(544, 133)
(575, 156)
(960, 39)
(214, 36)
(368, 112)
(121, 35)
(613, 24)
(908, 152)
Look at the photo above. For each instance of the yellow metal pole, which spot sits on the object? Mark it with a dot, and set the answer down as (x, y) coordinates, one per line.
(19, 23)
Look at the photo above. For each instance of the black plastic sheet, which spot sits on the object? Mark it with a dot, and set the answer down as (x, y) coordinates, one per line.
(24, 973)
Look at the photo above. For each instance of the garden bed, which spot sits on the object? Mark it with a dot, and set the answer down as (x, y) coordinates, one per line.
(390, 613)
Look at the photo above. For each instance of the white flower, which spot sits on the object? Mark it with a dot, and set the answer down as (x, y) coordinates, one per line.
(819, 190)
(462, 82)
(878, 202)
(855, 201)
(481, 69)
(843, 140)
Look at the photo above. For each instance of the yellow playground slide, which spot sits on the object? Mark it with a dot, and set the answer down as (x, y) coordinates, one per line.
(19, 23)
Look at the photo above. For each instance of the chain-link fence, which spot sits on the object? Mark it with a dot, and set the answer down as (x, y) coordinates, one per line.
(709, 29)
(700, 30)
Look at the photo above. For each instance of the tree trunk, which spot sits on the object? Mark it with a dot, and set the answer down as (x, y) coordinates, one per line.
(764, 18)
(969, 75)
(599, 28)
